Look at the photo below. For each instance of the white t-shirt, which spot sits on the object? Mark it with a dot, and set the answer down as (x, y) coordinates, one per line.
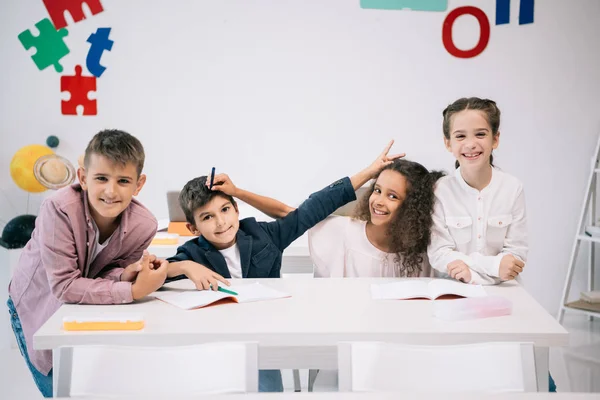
(98, 247)
(478, 227)
(233, 260)
(339, 247)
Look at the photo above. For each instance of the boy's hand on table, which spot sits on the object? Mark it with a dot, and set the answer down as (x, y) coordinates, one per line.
(460, 271)
(130, 272)
(203, 278)
(223, 183)
(150, 277)
(510, 267)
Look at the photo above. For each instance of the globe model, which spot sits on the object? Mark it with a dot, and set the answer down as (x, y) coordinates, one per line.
(17, 232)
(21, 167)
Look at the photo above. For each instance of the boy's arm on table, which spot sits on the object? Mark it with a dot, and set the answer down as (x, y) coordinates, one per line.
(131, 264)
(59, 259)
(271, 207)
(183, 266)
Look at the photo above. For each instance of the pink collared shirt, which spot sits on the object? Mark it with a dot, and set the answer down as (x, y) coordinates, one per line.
(53, 268)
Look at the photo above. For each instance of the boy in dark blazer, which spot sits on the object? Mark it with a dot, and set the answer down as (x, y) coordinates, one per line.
(228, 247)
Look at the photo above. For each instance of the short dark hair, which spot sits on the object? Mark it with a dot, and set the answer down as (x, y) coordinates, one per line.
(196, 194)
(118, 146)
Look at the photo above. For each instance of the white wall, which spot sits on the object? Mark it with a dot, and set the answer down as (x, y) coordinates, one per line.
(286, 96)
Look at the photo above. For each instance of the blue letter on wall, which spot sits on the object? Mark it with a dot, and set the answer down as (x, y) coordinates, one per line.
(503, 12)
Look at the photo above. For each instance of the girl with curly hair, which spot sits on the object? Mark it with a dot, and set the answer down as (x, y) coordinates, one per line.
(388, 234)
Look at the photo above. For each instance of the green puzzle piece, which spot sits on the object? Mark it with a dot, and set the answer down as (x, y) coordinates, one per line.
(49, 44)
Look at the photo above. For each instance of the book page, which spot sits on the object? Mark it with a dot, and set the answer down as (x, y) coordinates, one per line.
(189, 299)
(406, 289)
(256, 292)
(440, 287)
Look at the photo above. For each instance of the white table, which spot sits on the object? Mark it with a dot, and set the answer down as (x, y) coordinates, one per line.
(295, 260)
(378, 396)
(303, 331)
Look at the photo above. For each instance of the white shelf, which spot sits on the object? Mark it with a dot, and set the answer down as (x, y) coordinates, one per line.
(582, 312)
(587, 238)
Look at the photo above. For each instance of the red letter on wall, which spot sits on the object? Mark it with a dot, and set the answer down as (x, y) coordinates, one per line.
(484, 36)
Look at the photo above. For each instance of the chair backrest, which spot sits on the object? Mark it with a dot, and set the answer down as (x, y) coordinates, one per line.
(228, 367)
(176, 213)
(347, 210)
(481, 367)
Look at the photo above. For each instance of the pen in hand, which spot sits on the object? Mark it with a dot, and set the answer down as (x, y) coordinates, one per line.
(212, 178)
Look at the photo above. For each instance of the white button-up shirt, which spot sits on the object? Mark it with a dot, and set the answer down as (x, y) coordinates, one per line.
(478, 227)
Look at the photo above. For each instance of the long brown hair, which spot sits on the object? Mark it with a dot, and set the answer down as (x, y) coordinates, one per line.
(410, 230)
(489, 108)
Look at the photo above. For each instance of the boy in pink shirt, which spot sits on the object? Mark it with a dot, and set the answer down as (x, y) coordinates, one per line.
(87, 247)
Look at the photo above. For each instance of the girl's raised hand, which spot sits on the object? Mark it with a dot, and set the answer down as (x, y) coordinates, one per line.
(383, 160)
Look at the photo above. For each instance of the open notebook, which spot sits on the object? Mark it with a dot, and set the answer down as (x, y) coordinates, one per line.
(429, 289)
(189, 299)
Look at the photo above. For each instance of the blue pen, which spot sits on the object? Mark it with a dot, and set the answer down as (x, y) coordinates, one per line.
(212, 177)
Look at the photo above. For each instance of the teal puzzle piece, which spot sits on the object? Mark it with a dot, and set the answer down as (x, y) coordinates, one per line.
(49, 44)
(415, 5)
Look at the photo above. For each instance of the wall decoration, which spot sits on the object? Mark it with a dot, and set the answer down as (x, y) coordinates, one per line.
(414, 5)
(52, 141)
(17, 232)
(99, 42)
(34, 168)
(53, 171)
(49, 44)
(484, 36)
(525, 12)
(51, 48)
(56, 10)
(21, 167)
(526, 8)
(78, 86)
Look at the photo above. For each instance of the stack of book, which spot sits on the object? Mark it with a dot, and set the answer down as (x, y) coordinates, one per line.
(588, 301)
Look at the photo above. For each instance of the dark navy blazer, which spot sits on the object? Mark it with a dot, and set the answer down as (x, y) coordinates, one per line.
(261, 244)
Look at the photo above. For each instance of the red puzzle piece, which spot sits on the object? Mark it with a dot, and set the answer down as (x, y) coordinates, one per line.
(56, 10)
(79, 86)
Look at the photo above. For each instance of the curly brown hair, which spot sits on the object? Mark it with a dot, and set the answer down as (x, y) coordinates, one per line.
(410, 231)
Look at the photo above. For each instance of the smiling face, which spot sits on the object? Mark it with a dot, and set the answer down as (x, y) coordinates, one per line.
(388, 194)
(217, 221)
(471, 139)
(110, 187)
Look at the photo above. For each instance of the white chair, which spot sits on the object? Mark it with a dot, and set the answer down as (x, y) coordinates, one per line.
(481, 367)
(228, 367)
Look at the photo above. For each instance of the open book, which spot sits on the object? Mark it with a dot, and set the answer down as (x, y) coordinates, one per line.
(189, 299)
(429, 289)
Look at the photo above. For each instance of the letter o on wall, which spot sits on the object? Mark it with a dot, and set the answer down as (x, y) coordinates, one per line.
(484, 36)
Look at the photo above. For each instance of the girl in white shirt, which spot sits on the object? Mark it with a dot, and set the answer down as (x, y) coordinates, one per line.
(479, 232)
(388, 233)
